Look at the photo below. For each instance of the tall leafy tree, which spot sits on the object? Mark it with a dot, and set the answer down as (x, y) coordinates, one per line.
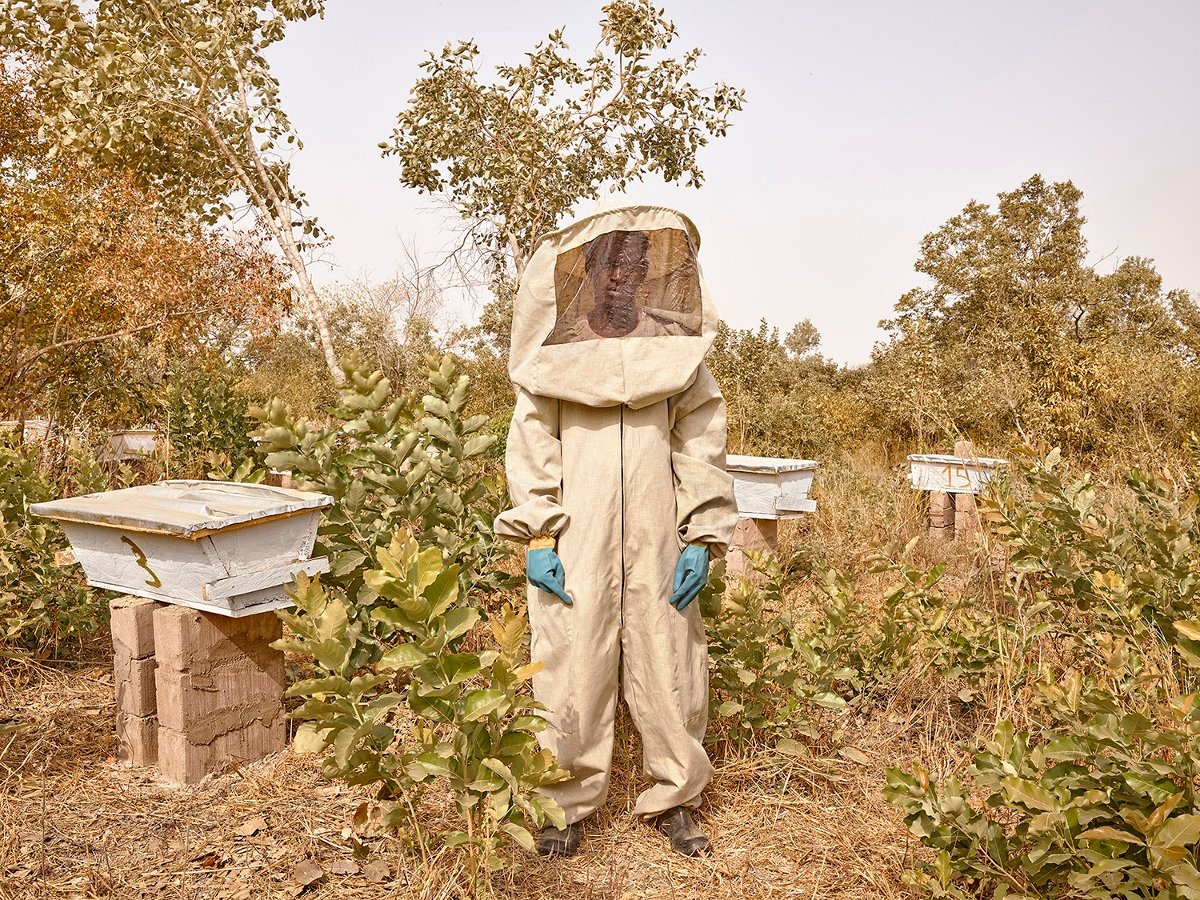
(1014, 326)
(96, 290)
(783, 397)
(514, 153)
(178, 92)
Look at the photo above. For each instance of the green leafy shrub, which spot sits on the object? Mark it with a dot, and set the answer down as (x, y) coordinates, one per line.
(1098, 800)
(45, 608)
(391, 463)
(430, 713)
(403, 699)
(1103, 804)
(1104, 567)
(204, 419)
(771, 670)
(765, 673)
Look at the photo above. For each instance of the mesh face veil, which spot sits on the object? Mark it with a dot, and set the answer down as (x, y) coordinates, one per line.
(627, 284)
(612, 309)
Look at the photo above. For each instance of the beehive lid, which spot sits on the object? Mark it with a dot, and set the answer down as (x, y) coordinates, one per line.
(187, 509)
(980, 461)
(771, 465)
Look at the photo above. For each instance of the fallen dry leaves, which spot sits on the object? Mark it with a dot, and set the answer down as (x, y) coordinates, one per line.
(74, 824)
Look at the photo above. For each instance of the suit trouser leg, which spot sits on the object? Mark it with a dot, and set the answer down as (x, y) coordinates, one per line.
(580, 649)
(665, 677)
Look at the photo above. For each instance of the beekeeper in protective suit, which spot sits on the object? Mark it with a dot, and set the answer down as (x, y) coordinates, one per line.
(616, 470)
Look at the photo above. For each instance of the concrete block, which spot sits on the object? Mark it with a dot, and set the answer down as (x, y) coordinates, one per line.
(186, 761)
(187, 640)
(941, 509)
(751, 535)
(205, 706)
(133, 680)
(759, 535)
(137, 739)
(966, 515)
(219, 687)
(131, 620)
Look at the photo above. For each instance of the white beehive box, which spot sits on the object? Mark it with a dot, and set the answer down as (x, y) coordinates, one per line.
(768, 487)
(35, 429)
(953, 474)
(133, 443)
(222, 547)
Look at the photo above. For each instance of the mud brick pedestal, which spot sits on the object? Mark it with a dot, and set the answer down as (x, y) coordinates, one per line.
(197, 693)
(132, 624)
(941, 515)
(966, 514)
(757, 535)
(220, 691)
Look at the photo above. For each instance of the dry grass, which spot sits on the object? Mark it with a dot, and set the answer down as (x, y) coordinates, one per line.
(75, 824)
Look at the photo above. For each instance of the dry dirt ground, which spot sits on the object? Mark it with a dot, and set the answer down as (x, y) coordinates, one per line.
(74, 824)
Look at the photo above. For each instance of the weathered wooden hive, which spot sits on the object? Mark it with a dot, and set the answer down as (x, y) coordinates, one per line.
(222, 547)
(132, 443)
(35, 430)
(768, 487)
(953, 474)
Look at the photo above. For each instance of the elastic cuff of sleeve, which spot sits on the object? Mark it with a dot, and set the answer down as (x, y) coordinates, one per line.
(541, 542)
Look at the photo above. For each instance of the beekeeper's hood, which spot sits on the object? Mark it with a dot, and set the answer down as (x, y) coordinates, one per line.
(612, 309)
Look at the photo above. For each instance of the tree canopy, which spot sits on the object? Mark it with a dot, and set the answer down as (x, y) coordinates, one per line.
(96, 289)
(179, 94)
(1015, 326)
(515, 153)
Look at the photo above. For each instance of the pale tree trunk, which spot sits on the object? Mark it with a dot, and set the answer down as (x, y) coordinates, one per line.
(274, 207)
(517, 255)
(313, 303)
(280, 205)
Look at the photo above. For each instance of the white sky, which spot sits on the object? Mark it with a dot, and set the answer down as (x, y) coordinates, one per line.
(867, 125)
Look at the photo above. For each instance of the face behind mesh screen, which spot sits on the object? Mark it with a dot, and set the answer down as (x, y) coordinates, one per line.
(627, 284)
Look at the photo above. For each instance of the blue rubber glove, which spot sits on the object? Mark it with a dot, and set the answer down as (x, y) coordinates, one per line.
(691, 574)
(544, 570)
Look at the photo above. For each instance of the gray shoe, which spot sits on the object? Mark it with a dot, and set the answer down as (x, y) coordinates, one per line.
(564, 842)
(686, 837)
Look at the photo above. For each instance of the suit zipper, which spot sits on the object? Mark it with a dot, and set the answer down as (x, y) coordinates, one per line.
(621, 432)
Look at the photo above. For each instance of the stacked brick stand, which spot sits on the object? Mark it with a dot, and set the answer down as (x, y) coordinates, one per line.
(197, 693)
(941, 515)
(966, 513)
(952, 483)
(751, 536)
(767, 489)
(132, 621)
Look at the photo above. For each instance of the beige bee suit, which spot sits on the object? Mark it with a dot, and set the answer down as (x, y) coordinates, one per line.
(617, 450)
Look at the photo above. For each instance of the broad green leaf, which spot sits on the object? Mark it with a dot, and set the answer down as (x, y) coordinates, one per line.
(520, 835)
(1180, 831)
(1108, 833)
(1029, 794)
(309, 738)
(481, 704)
(1189, 628)
(402, 656)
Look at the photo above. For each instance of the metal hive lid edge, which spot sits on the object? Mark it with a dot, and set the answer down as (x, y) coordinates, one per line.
(768, 464)
(183, 508)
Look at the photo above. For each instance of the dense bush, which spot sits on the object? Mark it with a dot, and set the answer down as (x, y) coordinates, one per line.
(1097, 798)
(45, 609)
(430, 714)
(403, 699)
(767, 671)
(203, 418)
(391, 462)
